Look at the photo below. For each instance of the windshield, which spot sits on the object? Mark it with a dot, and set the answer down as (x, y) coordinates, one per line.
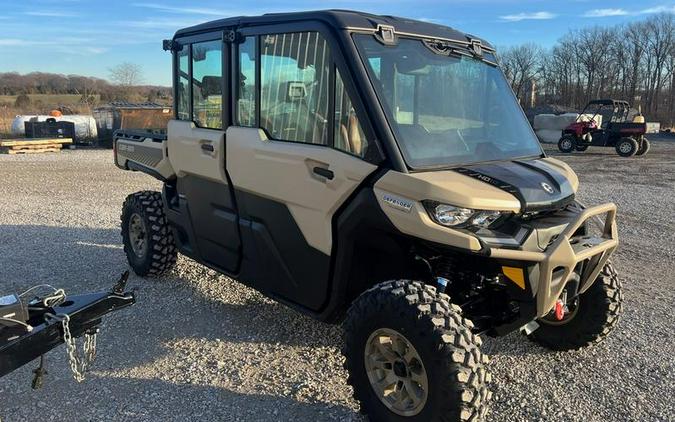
(446, 110)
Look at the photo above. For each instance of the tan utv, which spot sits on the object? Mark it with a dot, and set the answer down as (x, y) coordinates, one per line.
(379, 172)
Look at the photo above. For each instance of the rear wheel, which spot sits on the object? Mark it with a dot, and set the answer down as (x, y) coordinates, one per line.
(567, 143)
(644, 147)
(412, 357)
(627, 147)
(590, 317)
(147, 237)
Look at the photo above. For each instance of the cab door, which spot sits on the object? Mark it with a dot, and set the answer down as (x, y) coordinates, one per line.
(196, 148)
(294, 158)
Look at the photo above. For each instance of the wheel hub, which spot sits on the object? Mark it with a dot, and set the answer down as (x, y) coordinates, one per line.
(567, 144)
(396, 372)
(401, 369)
(137, 235)
(625, 147)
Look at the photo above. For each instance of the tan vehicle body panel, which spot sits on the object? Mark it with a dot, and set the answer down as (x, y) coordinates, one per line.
(447, 187)
(185, 142)
(283, 171)
(145, 152)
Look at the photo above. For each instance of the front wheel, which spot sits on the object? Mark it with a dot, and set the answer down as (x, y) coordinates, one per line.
(567, 144)
(147, 237)
(644, 147)
(627, 147)
(411, 356)
(591, 316)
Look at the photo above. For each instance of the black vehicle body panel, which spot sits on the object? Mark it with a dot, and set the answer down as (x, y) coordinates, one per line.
(275, 257)
(527, 180)
(215, 221)
(339, 19)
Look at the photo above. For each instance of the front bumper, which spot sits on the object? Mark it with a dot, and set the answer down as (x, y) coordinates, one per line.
(559, 260)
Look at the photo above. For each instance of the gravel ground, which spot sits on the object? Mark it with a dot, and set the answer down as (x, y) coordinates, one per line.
(201, 345)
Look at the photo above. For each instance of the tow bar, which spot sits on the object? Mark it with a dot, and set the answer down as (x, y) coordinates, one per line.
(32, 326)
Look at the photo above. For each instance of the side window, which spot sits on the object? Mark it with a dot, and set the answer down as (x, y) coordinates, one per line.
(348, 135)
(295, 86)
(246, 87)
(207, 83)
(182, 92)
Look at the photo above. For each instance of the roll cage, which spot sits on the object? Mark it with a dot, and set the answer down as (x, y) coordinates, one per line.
(620, 110)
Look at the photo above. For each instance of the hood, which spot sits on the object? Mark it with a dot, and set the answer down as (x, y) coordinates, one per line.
(539, 184)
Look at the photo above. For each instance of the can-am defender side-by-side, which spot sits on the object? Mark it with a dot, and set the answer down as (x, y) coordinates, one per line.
(376, 171)
(615, 131)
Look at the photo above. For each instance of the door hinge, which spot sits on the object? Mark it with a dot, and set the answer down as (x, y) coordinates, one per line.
(232, 36)
(476, 47)
(386, 34)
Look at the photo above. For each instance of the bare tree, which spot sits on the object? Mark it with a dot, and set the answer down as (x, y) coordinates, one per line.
(126, 74)
(635, 62)
(521, 65)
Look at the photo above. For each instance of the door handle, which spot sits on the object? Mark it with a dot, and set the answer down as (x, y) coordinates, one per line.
(207, 147)
(324, 172)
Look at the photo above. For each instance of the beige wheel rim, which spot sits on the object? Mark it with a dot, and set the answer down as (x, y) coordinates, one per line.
(396, 372)
(137, 235)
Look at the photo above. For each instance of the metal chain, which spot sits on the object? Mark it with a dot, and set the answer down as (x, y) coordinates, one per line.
(78, 366)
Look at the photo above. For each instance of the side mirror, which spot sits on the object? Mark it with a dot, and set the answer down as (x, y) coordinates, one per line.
(171, 45)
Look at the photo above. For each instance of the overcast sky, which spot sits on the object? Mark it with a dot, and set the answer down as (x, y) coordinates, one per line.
(87, 37)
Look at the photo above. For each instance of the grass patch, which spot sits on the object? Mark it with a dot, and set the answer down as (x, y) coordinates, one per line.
(47, 99)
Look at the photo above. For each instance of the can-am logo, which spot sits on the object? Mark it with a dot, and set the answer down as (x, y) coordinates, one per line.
(548, 188)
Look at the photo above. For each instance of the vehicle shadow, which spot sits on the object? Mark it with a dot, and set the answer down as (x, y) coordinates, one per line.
(125, 398)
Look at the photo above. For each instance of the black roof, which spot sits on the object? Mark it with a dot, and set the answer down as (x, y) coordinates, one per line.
(341, 19)
(130, 105)
(608, 102)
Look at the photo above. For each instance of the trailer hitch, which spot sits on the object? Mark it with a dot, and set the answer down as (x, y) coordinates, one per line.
(55, 319)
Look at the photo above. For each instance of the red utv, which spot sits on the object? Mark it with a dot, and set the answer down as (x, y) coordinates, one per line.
(627, 137)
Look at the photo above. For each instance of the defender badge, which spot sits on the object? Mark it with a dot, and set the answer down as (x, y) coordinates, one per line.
(547, 188)
(397, 202)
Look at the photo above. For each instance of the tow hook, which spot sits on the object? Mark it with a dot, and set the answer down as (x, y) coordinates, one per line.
(561, 309)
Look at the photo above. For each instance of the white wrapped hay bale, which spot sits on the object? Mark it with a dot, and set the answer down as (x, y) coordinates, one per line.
(653, 127)
(18, 127)
(545, 121)
(560, 121)
(548, 136)
(85, 125)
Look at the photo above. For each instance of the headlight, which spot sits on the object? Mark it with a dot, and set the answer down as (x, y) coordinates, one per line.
(452, 216)
(485, 218)
(449, 215)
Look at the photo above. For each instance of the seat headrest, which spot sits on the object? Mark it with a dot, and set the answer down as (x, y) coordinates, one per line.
(211, 85)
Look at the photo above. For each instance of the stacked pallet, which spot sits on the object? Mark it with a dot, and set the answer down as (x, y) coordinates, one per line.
(32, 146)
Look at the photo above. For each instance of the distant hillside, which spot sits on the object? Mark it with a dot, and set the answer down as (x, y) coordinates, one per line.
(49, 86)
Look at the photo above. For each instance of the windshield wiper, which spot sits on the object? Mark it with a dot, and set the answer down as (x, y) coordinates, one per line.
(445, 48)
